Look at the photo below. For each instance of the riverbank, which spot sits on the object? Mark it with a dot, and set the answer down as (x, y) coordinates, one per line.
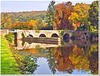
(9, 65)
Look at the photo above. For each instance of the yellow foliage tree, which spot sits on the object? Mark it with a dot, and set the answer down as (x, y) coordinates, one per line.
(74, 19)
(32, 25)
(82, 10)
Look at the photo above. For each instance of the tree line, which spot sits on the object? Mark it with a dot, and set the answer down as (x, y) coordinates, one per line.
(62, 16)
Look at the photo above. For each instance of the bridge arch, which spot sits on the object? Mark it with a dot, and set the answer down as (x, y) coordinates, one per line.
(42, 35)
(66, 36)
(54, 35)
(30, 35)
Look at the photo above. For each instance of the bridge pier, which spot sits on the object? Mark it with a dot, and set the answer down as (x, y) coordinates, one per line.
(59, 41)
(19, 45)
(19, 34)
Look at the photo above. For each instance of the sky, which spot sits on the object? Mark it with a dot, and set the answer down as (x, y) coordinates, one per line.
(37, 5)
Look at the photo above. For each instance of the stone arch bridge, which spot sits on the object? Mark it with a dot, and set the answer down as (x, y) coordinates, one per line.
(42, 33)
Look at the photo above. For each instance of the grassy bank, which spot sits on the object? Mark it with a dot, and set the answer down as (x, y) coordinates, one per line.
(9, 65)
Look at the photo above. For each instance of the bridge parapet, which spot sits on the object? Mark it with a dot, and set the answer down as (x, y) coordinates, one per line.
(38, 33)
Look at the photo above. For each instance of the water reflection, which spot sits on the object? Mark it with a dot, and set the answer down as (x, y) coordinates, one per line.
(29, 43)
(30, 64)
(69, 59)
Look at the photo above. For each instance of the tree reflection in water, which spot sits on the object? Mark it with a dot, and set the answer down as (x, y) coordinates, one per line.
(94, 62)
(51, 61)
(67, 59)
(62, 58)
(30, 64)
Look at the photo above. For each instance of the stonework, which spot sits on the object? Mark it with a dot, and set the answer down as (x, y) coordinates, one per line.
(4, 32)
(34, 33)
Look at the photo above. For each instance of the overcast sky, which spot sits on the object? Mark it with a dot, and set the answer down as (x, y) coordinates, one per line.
(19, 6)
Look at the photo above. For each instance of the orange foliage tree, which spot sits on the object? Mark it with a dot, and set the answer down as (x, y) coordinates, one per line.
(61, 17)
(25, 25)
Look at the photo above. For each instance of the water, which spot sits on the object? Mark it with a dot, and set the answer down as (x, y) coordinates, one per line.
(71, 57)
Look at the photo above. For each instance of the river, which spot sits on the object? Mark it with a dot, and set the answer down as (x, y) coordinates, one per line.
(63, 57)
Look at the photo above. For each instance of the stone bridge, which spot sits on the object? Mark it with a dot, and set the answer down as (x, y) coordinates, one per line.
(47, 33)
(42, 33)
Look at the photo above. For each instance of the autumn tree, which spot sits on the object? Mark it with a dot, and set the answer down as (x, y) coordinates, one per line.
(32, 25)
(20, 25)
(93, 14)
(50, 15)
(82, 10)
(74, 19)
(6, 22)
(61, 17)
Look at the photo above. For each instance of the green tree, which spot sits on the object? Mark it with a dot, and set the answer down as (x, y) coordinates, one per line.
(50, 14)
(93, 14)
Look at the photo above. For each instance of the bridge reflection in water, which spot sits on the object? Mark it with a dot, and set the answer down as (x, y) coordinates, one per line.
(28, 43)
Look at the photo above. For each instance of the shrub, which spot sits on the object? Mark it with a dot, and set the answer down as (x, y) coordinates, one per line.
(10, 34)
(9, 37)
